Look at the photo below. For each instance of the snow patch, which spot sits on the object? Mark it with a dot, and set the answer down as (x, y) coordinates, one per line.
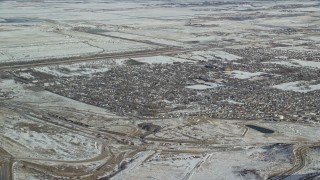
(312, 64)
(211, 55)
(245, 75)
(298, 86)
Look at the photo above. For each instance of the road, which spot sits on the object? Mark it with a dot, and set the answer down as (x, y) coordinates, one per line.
(6, 170)
(5, 165)
(96, 57)
(300, 161)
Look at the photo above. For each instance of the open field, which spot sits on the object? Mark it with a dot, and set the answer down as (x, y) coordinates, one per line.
(141, 89)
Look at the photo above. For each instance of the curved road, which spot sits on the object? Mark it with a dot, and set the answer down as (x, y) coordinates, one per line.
(300, 161)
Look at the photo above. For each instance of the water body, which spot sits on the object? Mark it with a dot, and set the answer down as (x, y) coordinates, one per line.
(260, 129)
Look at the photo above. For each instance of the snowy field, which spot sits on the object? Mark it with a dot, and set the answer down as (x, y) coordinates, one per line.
(245, 75)
(46, 45)
(210, 55)
(216, 65)
(298, 86)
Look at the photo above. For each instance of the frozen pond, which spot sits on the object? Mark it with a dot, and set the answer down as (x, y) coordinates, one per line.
(260, 129)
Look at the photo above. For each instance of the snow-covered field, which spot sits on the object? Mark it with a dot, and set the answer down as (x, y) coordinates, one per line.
(298, 86)
(297, 63)
(45, 135)
(248, 164)
(35, 139)
(245, 75)
(163, 165)
(161, 60)
(210, 55)
(56, 146)
(51, 51)
(52, 45)
(311, 64)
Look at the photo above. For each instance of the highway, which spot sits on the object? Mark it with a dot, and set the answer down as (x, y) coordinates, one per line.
(96, 57)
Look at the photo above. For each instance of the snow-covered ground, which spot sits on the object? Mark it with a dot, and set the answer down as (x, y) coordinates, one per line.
(311, 64)
(298, 86)
(43, 44)
(36, 139)
(193, 147)
(284, 63)
(239, 165)
(210, 55)
(203, 86)
(161, 60)
(245, 75)
(297, 63)
(56, 146)
(28, 53)
(163, 165)
(22, 173)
